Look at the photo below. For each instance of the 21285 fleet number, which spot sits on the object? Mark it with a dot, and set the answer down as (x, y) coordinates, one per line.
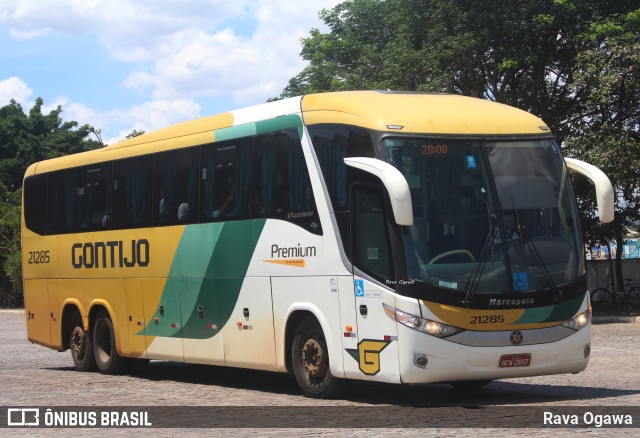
(39, 257)
(487, 319)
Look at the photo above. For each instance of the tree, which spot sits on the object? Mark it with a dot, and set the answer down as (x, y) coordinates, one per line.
(574, 63)
(515, 52)
(32, 137)
(25, 139)
(608, 133)
(135, 133)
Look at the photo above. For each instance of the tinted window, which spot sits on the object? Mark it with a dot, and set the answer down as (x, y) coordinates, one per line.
(35, 205)
(271, 175)
(93, 197)
(176, 187)
(281, 184)
(132, 192)
(371, 250)
(60, 197)
(333, 143)
(225, 171)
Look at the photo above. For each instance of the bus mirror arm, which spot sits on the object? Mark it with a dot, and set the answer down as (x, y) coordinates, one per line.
(395, 183)
(604, 189)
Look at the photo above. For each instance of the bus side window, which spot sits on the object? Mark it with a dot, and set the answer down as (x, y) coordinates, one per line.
(132, 192)
(281, 183)
(35, 205)
(371, 251)
(93, 198)
(60, 201)
(270, 176)
(176, 187)
(332, 144)
(225, 178)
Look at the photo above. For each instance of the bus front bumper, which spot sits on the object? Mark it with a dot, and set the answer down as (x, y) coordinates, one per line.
(425, 359)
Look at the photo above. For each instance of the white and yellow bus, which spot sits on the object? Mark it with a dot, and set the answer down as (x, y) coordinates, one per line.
(386, 236)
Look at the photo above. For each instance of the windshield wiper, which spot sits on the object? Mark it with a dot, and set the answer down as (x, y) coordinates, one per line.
(476, 275)
(487, 248)
(530, 254)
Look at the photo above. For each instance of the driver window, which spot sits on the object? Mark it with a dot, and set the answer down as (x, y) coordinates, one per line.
(371, 242)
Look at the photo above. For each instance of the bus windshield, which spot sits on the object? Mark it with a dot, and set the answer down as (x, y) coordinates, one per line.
(490, 217)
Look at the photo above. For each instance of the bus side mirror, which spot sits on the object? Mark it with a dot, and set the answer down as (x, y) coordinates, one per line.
(395, 183)
(604, 189)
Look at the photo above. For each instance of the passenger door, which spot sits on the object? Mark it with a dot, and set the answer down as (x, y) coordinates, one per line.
(377, 350)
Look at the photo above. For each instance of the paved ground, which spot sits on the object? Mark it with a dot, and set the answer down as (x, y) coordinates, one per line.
(31, 375)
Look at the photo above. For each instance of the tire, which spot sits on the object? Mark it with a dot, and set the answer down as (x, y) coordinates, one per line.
(469, 385)
(81, 346)
(106, 355)
(634, 297)
(601, 299)
(310, 359)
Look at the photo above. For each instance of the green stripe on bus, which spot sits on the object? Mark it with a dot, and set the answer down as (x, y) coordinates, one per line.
(261, 127)
(554, 313)
(246, 130)
(566, 310)
(205, 279)
(279, 123)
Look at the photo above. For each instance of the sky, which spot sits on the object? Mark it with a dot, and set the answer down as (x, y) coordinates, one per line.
(120, 65)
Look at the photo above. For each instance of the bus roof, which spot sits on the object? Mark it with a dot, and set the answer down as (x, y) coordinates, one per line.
(401, 112)
(427, 113)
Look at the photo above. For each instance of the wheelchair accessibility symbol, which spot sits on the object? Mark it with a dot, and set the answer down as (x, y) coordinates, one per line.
(520, 281)
(359, 288)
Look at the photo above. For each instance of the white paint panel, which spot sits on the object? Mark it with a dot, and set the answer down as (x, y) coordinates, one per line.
(249, 341)
(374, 326)
(266, 111)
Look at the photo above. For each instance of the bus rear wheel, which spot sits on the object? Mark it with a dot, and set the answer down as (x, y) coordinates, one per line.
(106, 355)
(81, 346)
(310, 359)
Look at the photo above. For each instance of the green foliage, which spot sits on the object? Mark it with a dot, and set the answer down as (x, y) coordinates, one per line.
(515, 52)
(10, 258)
(607, 77)
(26, 139)
(135, 133)
(32, 137)
(574, 63)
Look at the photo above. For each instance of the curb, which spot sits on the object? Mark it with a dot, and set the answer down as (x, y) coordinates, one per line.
(615, 319)
(11, 310)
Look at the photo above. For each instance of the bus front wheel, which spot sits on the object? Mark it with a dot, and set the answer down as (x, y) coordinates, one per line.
(106, 355)
(310, 359)
(81, 346)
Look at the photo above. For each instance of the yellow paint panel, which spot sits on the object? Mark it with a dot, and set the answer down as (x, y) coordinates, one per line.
(135, 318)
(36, 305)
(419, 113)
(69, 254)
(204, 124)
(55, 315)
(482, 320)
(185, 134)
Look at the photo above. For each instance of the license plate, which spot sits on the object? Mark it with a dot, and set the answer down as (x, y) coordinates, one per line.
(515, 360)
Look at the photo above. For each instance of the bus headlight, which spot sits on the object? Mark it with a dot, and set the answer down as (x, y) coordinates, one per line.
(427, 326)
(579, 321)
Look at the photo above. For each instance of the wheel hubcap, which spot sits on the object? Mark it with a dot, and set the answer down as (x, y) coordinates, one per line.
(313, 359)
(78, 342)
